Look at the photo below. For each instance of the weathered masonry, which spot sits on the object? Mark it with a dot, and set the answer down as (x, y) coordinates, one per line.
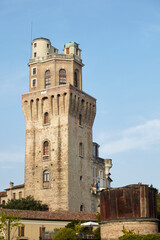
(59, 119)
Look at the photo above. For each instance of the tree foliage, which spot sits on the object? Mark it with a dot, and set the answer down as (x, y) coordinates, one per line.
(97, 233)
(28, 203)
(76, 225)
(8, 224)
(65, 234)
(130, 235)
(98, 218)
(72, 224)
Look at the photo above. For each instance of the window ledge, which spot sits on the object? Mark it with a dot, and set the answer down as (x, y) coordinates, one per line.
(46, 124)
(46, 158)
(46, 185)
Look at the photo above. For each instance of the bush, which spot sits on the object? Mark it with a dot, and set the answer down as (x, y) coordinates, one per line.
(130, 235)
(97, 233)
(65, 234)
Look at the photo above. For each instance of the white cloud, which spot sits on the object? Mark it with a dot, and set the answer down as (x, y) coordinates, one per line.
(139, 137)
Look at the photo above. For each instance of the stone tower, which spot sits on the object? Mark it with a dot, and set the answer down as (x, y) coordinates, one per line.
(59, 118)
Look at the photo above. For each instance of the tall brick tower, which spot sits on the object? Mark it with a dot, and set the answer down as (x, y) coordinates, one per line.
(59, 118)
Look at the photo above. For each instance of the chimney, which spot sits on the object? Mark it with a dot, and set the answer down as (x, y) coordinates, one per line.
(11, 184)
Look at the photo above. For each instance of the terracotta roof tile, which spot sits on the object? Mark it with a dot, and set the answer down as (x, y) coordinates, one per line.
(15, 187)
(57, 215)
(3, 194)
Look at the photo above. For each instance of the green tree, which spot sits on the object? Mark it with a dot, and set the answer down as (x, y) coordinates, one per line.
(72, 224)
(65, 234)
(97, 233)
(130, 235)
(8, 225)
(28, 203)
(98, 218)
(78, 228)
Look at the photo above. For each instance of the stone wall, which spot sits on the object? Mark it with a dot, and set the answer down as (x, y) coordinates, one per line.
(113, 230)
(65, 190)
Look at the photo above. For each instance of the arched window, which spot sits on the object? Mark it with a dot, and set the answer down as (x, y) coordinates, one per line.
(81, 150)
(46, 118)
(45, 148)
(76, 78)
(82, 208)
(3, 202)
(47, 79)
(46, 176)
(62, 76)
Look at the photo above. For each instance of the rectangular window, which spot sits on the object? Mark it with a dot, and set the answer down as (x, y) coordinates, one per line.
(34, 83)
(34, 71)
(20, 195)
(100, 174)
(41, 230)
(67, 50)
(35, 54)
(47, 45)
(20, 231)
(35, 44)
(14, 195)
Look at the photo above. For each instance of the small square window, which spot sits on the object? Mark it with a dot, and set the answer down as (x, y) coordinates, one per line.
(35, 54)
(34, 83)
(34, 70)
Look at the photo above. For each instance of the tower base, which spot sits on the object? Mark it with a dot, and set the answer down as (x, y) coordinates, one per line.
(112, 230)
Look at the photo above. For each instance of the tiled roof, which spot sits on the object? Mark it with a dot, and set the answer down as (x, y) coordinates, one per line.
(15, 187)
(57, 215)
(3, 194)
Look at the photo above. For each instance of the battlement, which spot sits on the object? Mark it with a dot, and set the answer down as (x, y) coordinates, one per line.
(58, 101)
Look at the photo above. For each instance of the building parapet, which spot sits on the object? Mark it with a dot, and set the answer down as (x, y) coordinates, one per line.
(56, 56)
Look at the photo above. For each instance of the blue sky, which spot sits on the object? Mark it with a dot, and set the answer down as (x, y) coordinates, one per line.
(120, 42)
